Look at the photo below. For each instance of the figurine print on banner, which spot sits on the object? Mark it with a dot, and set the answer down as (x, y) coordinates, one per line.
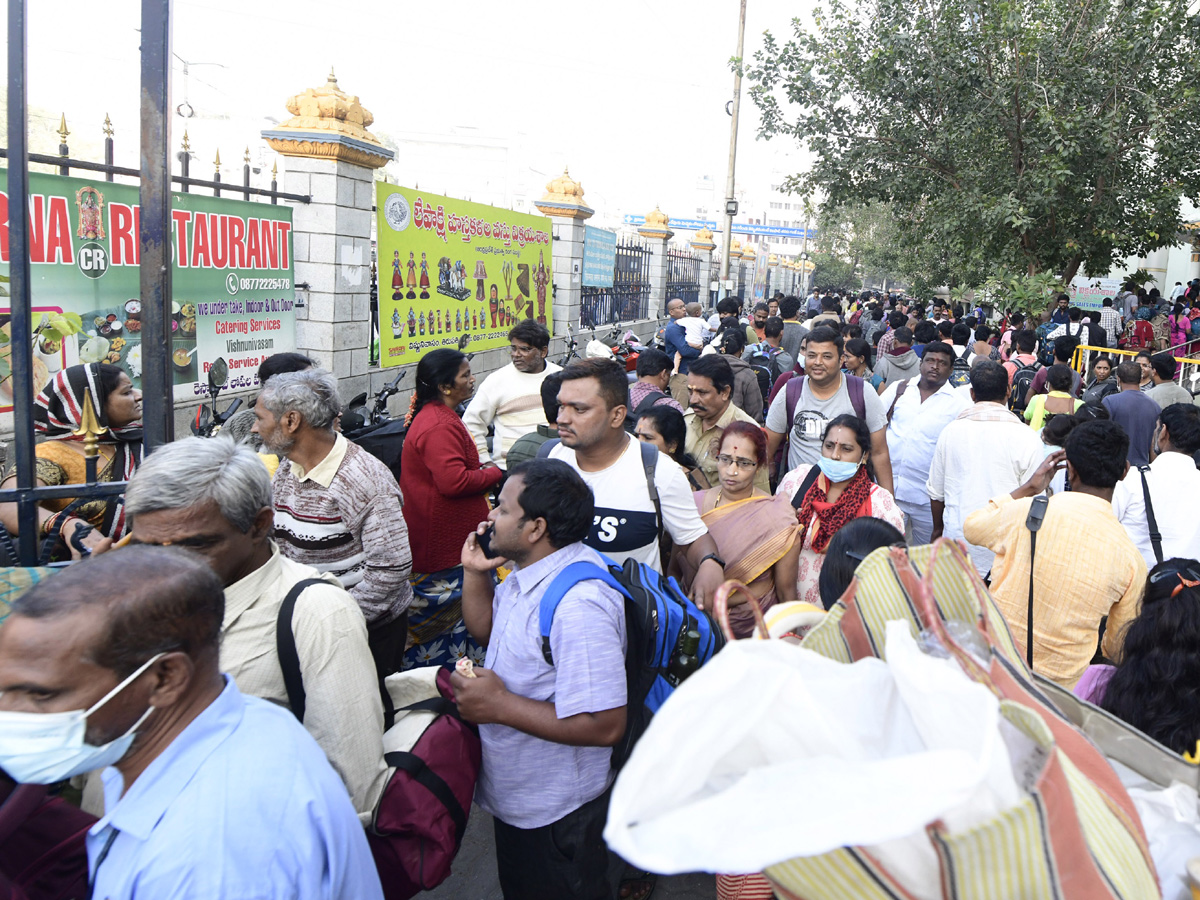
(541, 278)
(397, 278)
(458, 320)
(452, 279)
(494, 303)
(412, 323)
(397, 329)
(412, 276)
(421, 320)
(424, 277)
(480, 275)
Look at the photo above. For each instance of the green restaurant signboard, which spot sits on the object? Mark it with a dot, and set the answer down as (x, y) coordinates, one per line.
(232, 282)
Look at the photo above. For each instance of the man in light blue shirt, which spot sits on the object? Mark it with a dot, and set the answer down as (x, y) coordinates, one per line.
(209, 793)
(547, 725)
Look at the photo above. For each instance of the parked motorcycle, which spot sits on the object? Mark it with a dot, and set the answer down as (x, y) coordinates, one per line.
(374, 429)
(208, 421)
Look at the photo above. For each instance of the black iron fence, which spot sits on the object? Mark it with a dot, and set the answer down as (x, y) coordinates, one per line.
(154, 177)
(683, 270)
(629, 297)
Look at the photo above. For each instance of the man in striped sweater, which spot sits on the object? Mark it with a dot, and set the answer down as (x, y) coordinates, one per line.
(337, 507)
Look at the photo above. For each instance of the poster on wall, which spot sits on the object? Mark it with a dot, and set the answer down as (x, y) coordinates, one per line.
(231, 283)
(449, 268)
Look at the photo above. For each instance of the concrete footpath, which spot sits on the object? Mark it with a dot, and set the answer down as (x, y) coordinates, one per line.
(474, 874)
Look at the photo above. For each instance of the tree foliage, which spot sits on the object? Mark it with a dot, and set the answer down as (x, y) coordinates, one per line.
(1007, 135)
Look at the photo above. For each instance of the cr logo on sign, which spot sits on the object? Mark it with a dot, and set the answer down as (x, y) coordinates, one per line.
(93, 259)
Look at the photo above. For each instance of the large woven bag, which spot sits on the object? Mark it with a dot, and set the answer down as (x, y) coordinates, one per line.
(1075, 836)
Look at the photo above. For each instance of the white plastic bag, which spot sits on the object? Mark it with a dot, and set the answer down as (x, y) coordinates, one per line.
(771, 752)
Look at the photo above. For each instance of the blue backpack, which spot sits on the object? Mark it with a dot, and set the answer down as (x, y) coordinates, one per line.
(657, 615)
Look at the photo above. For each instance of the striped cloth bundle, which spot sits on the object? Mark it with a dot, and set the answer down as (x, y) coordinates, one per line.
(1075, 836)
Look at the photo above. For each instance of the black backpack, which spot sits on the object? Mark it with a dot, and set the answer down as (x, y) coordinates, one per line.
(960, 371)
(631, 417)
(1021, 382)
(766, 369)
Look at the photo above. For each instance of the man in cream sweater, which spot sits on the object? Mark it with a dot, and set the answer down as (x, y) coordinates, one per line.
(510, 398)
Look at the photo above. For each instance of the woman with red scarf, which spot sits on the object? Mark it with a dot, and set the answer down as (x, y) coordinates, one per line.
(839, 488)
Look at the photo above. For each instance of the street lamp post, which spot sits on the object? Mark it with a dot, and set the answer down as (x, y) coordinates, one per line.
(804, 269)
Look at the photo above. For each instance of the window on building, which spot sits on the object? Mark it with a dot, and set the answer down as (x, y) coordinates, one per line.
(787, 206)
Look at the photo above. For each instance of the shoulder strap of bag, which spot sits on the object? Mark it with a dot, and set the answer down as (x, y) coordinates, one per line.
(649, 464)
(854, 387)
(563, 582)
(1037, 514)
(285, 646)
(903, 386)
(1151, 522)
(791, 399)
(805, 486)
(544, 450)
(432, 782)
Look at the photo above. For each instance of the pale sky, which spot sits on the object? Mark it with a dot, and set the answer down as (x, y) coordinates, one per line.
(629, 93)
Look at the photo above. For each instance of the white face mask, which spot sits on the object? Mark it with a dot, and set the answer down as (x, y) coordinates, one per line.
(42, 748)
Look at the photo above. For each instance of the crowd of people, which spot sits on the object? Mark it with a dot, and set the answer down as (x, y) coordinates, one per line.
(776, 448)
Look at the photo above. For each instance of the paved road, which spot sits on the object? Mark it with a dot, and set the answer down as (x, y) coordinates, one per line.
(474, 876)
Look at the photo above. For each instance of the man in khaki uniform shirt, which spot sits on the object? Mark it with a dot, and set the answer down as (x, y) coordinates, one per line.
(214, 497)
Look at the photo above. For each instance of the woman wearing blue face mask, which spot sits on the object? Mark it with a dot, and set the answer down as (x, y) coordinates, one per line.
(826, 496)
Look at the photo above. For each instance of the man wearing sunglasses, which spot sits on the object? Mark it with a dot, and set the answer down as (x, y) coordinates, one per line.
(1156, 503)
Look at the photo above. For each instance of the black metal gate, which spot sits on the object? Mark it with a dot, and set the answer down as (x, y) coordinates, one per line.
(629, 297)
(682, 275)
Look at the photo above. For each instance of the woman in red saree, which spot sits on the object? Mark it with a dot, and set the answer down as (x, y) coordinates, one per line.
(756, 534)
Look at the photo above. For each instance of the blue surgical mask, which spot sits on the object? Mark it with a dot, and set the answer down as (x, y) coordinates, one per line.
(838, 470)
(43, 748)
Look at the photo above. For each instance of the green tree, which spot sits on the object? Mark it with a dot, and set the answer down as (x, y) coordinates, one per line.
(1007, 135)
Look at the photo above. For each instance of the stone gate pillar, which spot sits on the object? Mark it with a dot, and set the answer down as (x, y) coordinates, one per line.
(332, 158)
(702, 242)
(564, 205)
(656, 233)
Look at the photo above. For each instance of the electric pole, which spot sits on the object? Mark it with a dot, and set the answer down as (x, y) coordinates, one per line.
(730, 202)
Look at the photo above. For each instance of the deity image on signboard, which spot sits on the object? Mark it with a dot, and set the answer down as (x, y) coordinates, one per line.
(90, 203)
(412, 276)
(397, 277)
(397, 329)
(412, 323)
(421, 323)
(424, 277)
(458, 320)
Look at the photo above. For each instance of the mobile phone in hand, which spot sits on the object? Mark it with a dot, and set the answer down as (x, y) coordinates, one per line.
(485, 543)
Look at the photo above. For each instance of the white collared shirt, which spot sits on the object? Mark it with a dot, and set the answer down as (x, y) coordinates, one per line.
(1174, 484)
(913, 433)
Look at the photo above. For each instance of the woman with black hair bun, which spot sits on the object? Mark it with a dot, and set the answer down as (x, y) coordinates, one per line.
(1156, 685)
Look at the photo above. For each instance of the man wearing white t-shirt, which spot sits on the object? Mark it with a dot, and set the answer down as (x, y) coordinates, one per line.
(593, 400)
(985, 452)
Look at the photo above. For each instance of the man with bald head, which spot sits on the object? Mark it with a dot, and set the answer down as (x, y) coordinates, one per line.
(675, 339)
(112, 665)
